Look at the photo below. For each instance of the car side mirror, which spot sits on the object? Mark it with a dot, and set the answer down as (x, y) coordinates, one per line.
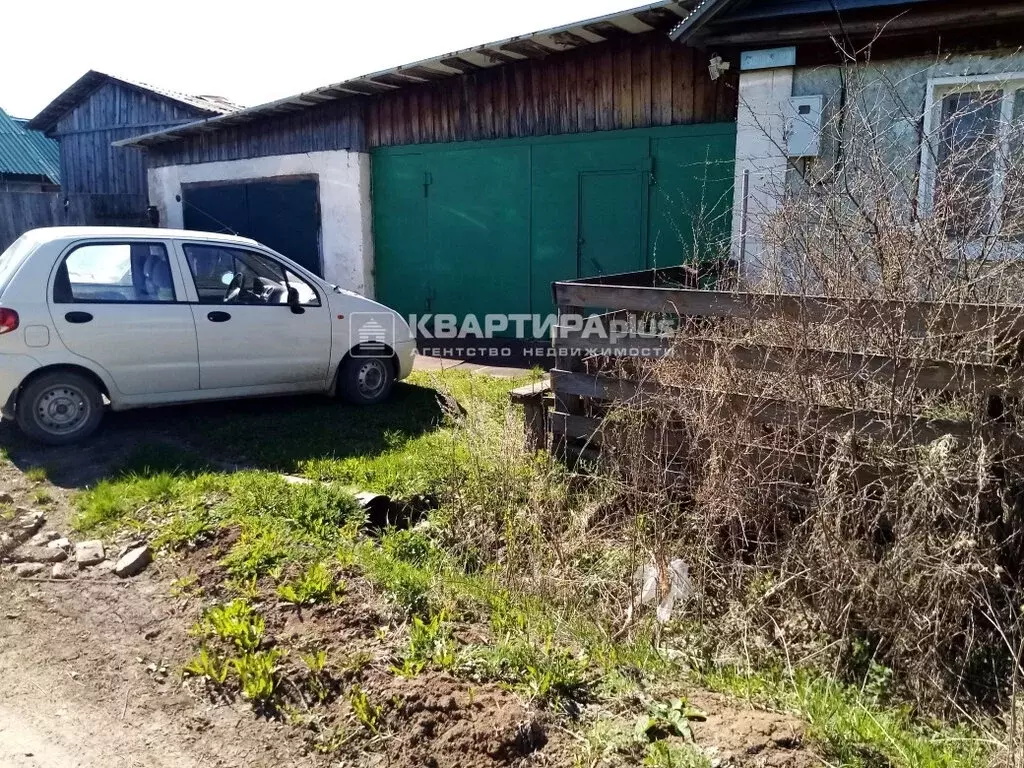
(293, 301)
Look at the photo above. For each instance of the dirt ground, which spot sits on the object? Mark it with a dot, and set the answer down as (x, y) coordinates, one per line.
(90, 669)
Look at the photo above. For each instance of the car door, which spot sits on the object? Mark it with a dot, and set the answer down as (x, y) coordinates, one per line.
(260, 325)
(117, 304)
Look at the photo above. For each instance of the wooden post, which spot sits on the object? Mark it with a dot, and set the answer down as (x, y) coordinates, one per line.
(571, 405)
(532, 398)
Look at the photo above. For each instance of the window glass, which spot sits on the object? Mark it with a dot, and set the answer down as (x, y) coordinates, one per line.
(1013, 180)
(307, 296)
(967, 155)
(12, 258)
(115, 272)
(233, 276)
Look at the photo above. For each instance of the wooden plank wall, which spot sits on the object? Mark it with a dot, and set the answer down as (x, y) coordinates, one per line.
(89, 162)
(637, 81)
(333, 125)
(22, 211)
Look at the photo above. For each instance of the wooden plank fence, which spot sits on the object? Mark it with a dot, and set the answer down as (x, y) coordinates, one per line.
(582, 392)
(22, 211)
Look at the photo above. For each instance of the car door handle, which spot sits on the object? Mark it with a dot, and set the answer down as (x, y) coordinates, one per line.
(218, 317)
(78, 317)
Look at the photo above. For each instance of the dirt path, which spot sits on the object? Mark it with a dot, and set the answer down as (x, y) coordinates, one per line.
(46, 730)
(89, 667)
(81, 671)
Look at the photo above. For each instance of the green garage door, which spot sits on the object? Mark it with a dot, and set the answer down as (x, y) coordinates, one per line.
(485, 227)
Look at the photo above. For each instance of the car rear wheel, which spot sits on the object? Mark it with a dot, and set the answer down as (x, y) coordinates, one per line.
(366, 380)
(59, 408)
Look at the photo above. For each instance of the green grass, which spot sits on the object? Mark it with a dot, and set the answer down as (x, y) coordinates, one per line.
(399, 449)
(852, 726)
(294, 539)
(42, 496)
(317, 584)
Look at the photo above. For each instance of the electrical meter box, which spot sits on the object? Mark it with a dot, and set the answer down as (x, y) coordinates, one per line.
(803, 126)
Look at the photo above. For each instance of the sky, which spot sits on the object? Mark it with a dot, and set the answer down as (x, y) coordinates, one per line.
(249, 52)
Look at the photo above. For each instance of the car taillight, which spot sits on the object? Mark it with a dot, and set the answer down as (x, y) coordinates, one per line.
(8, 320)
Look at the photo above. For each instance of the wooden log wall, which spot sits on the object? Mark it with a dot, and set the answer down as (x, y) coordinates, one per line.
(637, 81)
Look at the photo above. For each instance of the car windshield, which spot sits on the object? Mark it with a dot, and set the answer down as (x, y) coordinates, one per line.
(13, 257)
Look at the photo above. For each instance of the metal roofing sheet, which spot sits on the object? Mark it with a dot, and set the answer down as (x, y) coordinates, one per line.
(24, 152)
(658, 16)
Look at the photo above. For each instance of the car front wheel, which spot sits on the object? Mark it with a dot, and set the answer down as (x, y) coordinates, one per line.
(366, 380)
(59, 408)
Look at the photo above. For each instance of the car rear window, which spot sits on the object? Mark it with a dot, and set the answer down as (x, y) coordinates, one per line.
(13, 258)
(115, 272)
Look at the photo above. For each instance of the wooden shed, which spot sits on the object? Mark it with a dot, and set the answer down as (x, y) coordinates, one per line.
(99, 109)
(467, 183)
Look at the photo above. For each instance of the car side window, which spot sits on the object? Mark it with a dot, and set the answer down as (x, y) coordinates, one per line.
(235, 276)
(115, 273)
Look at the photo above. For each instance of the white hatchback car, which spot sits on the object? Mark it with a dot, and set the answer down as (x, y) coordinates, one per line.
(144, 317)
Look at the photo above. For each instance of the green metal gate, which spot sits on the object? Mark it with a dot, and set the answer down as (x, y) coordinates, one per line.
(486, 227)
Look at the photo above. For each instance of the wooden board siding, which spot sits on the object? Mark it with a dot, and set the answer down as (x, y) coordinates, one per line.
(635, 81)
(332, 125)
(89, 164)
(22, 211)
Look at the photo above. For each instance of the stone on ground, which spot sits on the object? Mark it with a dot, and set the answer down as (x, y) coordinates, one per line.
(38, 554)
(43, 537)
(61, 543)
(24, 570)
(89, 553)
(29, 521)
(133, 562)
(65, 570)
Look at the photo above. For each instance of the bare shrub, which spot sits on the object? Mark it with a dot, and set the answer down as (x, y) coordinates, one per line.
(899, 533)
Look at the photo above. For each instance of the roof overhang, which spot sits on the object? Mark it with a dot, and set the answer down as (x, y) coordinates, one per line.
(736, 23)
(654, 17)
(701, 15)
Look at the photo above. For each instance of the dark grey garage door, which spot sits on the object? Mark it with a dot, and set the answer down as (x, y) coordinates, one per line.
(281, 213)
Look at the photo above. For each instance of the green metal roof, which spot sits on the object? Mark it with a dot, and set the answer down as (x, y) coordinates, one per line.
(24, 152)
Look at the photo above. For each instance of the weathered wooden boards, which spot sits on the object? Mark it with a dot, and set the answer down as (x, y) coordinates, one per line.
(575, 388)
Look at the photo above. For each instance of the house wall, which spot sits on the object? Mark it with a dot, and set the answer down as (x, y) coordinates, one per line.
(760, 170)
(888, 108)
(344, 182)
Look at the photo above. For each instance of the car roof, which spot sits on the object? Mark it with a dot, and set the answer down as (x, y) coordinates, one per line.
(50, 234)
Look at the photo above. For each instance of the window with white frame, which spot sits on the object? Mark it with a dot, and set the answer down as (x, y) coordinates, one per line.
(972, 165)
